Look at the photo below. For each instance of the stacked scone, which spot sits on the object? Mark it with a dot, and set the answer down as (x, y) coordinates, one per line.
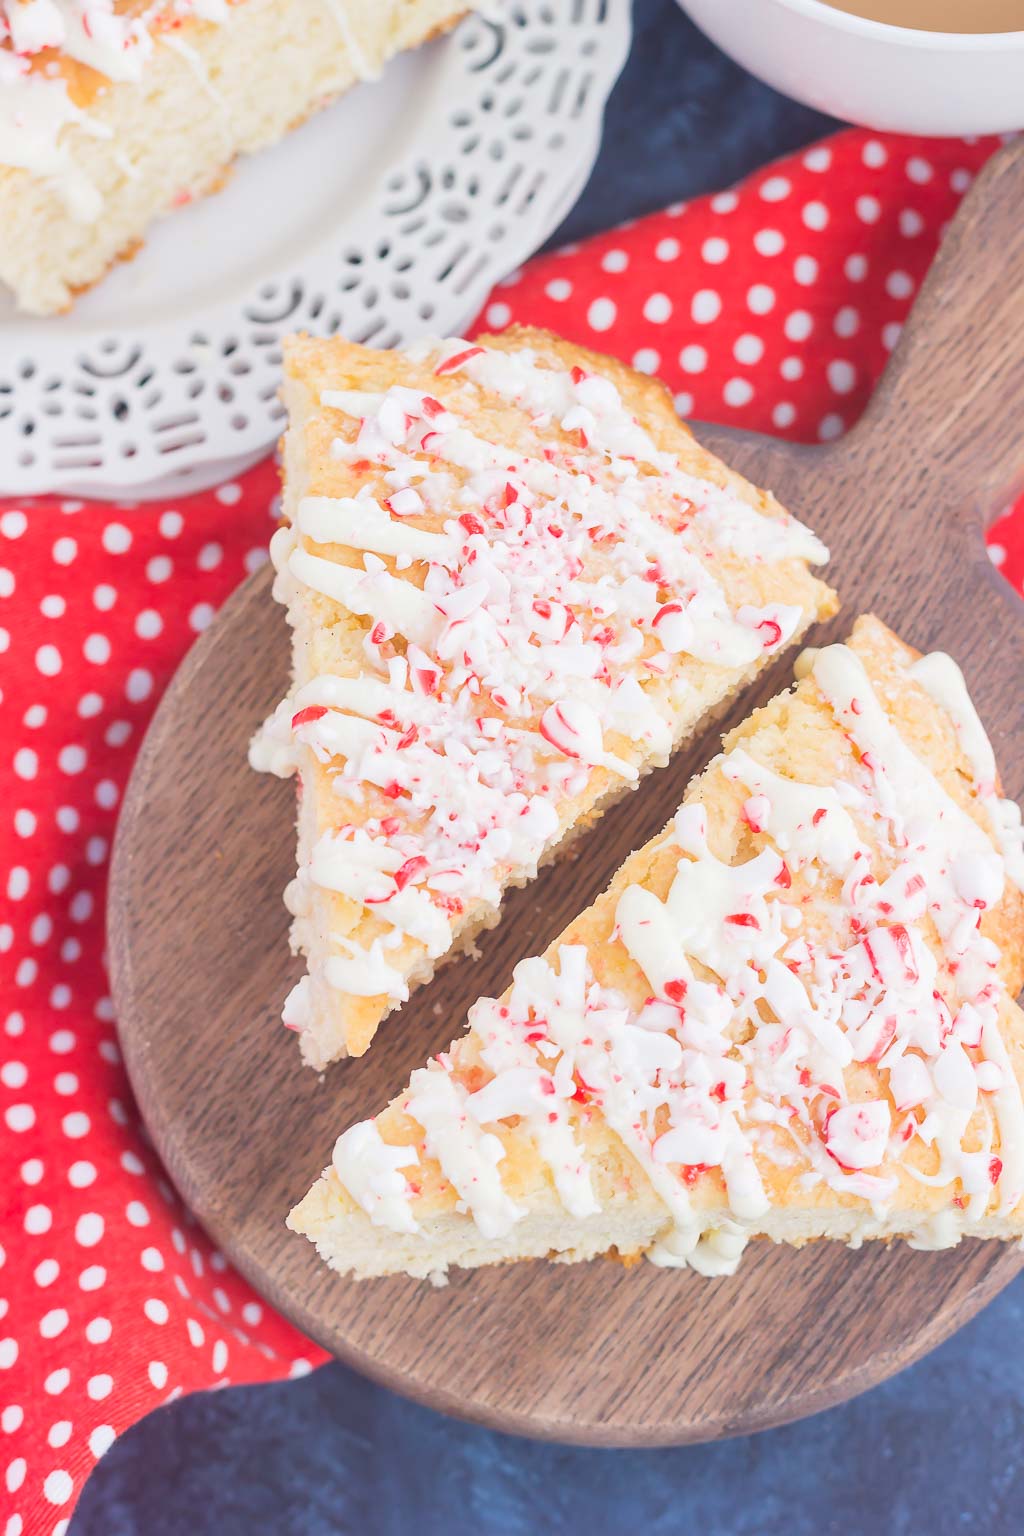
(115, 111)
(515, 584)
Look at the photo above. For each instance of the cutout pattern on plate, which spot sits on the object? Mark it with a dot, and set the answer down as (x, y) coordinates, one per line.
(507, 138)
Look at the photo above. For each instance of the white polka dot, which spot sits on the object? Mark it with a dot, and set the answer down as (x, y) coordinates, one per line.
(116, 538)
(601, 315)
(17, 883)
(201, 617)
(19, 1117)
(61, 1042)
(26, 973)
(911, 223)
(559, 289)
(960, 179)
(98, 1330)
(57, 1381)
(96, 649)
(24, 823)
(715, 250)
(899, 285)
(59, 1433)
(997, 554)
(171, 524)
(874, 154)
(693, 359)
(26, 763)
(89, 1229)
(775, 189)
(35, 716)
(725, 202)
(830, 427)
(65, 1083)
(14, 1074)
(819, 158)
(152, 1259)
(784, 414)
(89, 705)
(13, 524)
(52, 606)
(748, 349)
(15, 1474)
(760, 299)
(497, 315)
(158, 1374)
(614, 261)
(132, 1164)
(869, 209)
(12, 1418)
(99, 1387)
(8, 1353)
(667, 250)
(64, 551)
(769, 242)
(75, 1125)
(72, 759)
(101, 1439)
(81, 1174)
(71, 950)
(104, 597)
(58, 1487)
(148, 624)
(646, 360)
(6, 582)
(195, 1333)
(92, 1278)
(919, 170)
(658, 308)
(891, 334)
(805, 271)
(252, 1313)
(58, 878)
(815, 215)
(46, 1272)
(220, 1356)
(137, 1214)
(683, 403)
(139, 685)
(48, 660)
(38, 1219)
(842, 376)
(107, 795)
(32, 1170)
(738, 392)
(799, 325)
(156, 1310)
(300, 1368)
(53, 1323)
(847, 321)
(42, 928)
(706, 306)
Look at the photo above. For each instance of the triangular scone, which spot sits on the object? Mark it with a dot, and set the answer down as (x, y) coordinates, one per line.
(790, 1015)
(516, 583)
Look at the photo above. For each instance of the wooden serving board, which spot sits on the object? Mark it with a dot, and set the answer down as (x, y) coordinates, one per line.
(197, 931)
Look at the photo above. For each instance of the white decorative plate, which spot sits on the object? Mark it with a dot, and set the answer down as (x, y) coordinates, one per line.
(390, 214)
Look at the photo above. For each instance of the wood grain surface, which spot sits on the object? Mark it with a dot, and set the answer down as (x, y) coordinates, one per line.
(197, 935)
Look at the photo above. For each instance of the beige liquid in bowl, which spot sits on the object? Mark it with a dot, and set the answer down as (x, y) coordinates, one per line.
(940, 15)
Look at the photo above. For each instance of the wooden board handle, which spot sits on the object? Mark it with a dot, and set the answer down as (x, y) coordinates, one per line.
(951, 402)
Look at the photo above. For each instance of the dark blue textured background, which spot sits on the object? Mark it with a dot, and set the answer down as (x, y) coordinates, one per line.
(939, 1450)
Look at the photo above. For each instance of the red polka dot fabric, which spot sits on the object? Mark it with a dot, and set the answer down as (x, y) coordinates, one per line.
(772, 307)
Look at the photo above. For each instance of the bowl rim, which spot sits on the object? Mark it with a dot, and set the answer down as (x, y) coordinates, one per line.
(912, 37)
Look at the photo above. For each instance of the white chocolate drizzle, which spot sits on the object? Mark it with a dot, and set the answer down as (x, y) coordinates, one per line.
(523, 643)
(753, 1049)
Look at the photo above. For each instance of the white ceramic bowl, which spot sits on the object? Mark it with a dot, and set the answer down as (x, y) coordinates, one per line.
(890, 78)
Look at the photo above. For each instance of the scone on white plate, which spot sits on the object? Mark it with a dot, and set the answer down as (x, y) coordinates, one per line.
(115, 111)
(515, 583)
(790, 1016)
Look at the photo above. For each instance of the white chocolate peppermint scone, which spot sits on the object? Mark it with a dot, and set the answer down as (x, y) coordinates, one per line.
(115, 111)
(791, 1015)
(516, 583)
